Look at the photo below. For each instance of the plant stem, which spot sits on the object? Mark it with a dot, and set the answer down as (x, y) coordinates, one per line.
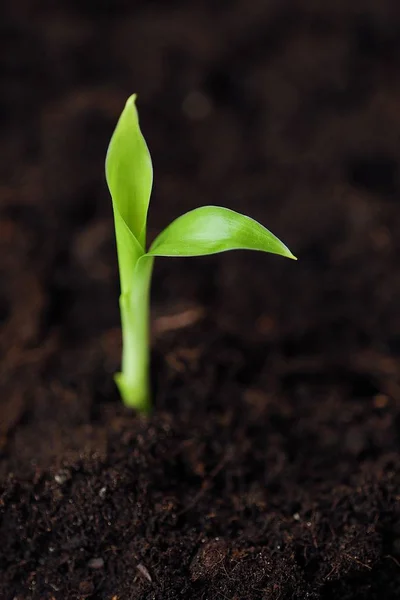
(134, 381)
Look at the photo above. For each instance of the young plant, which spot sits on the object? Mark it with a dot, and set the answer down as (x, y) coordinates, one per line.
(202, 231)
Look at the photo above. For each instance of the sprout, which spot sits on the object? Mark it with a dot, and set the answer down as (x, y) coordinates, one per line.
(205, 230)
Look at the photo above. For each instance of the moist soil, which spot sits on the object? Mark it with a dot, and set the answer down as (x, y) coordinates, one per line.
(270, 466)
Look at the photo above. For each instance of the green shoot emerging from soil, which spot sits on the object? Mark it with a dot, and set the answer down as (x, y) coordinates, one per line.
(205, 230)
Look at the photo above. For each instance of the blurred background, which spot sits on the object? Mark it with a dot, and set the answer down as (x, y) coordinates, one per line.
(280, 379)
(287, 111)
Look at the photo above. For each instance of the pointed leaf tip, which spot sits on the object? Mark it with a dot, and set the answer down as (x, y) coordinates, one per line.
(289, 254)
(129, 171)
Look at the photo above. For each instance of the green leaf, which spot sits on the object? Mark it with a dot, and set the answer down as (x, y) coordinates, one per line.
(129, 172)
(128, 250)
(212, 229)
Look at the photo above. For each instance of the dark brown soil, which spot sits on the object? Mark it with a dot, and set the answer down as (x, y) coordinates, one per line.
(270, 469)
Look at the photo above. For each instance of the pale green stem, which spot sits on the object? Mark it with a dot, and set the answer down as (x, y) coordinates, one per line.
(134, 380)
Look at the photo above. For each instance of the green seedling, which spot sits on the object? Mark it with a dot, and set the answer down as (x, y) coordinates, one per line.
(202, 231)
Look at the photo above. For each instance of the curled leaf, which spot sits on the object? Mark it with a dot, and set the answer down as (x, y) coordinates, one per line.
(129, 172)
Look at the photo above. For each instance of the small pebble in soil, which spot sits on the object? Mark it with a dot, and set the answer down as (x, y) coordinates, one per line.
(143, 571)
(96, 563)
(102, 492)
(62, 476)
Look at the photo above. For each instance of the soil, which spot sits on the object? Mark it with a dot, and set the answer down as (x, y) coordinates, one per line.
(270, 467)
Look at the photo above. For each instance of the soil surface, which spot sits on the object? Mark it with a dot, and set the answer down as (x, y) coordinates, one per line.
(270, 468)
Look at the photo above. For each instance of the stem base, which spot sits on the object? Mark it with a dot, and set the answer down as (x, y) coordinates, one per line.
(133, 396)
